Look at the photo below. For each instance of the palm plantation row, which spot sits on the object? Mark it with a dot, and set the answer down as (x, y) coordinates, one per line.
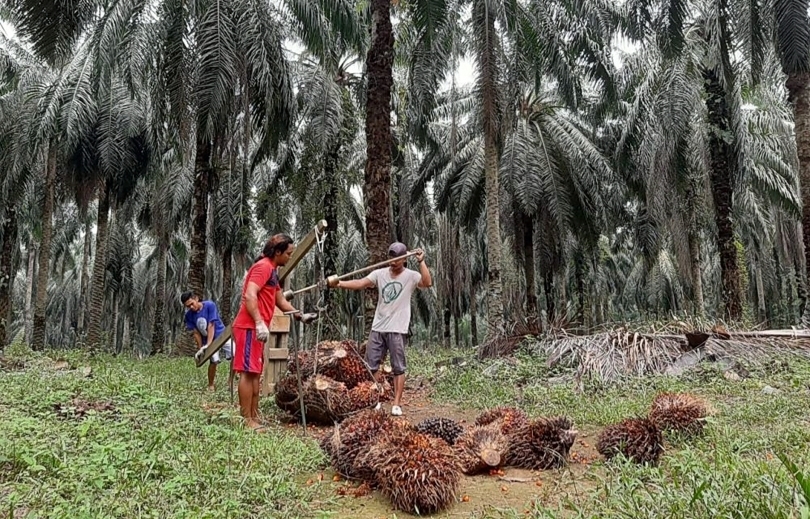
(147, 146)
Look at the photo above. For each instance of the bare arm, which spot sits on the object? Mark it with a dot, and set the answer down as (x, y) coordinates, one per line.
(252, 302)
(197, 338)
(210, 333)
(355, 284)
(283, 304)
(426, 281)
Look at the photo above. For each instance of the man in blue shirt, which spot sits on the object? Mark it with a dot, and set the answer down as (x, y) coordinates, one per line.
(202, 319)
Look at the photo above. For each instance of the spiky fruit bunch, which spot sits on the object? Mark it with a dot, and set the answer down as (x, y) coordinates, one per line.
(541, 444)
(509, 418)
(387, 391)
(444, 428)
(286, 394)
(326, 400)
(637, 438)
(354, 436)
(352, 370)
(416, 472)
(480, 448)
(680, 412)
(306, 363)
(339, 360)
(365, 394)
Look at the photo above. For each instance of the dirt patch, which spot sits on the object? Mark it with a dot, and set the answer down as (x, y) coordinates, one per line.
(509, 488)
(79, 408)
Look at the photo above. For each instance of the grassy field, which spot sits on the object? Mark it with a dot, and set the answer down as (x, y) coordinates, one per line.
(170, 449)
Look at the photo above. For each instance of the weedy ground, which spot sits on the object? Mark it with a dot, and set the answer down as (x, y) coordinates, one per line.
(131, 438)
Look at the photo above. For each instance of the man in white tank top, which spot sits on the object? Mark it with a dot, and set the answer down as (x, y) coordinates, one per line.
(389, 332)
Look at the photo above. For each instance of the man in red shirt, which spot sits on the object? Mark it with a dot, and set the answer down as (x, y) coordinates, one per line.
(261, 294)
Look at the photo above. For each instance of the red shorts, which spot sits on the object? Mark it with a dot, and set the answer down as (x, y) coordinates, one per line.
(249, 352)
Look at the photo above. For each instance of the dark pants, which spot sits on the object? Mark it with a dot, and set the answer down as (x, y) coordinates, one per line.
(391, 342)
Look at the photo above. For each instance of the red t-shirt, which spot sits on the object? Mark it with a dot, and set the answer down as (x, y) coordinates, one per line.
(264, 274)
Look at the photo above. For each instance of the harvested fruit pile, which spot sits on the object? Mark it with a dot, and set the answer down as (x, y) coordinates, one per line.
(418, 468)
(335, 383)
(641, 439)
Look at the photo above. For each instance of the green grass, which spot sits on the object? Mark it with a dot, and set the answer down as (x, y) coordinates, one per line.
(173, 450)
(732, 471)
(163, 456)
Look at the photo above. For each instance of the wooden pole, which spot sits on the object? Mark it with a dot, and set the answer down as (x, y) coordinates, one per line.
(289, 294)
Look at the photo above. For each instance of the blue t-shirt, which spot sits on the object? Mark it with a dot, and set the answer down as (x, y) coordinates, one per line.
(199, 320)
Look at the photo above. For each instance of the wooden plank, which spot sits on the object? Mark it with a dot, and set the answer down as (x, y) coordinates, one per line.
(280, 322)
(275, 354)
(301, 249)
(267, 371)
(215, 346)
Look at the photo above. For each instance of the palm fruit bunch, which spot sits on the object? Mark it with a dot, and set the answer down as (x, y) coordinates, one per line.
(416, 472)
(326, 400)
(286, 394)
(679, 412)
(354, 436)
(366, 394)
(444, 428)
(638, 439)
(541, 444)
(306, 363)
(336, 382)
(352, 370)
(481, 448)
(509, 418)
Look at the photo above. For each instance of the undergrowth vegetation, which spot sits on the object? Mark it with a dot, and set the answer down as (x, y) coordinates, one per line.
(164, 447)
(169, 450)
(732, 471)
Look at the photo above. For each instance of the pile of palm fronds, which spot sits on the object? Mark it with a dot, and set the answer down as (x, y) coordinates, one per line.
(611, 355)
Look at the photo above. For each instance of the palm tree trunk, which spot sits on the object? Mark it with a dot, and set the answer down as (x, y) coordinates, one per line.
(84, 296)
(721, 166)
(159, 324)
(446, 316)
(330, 245)
(487, 65)
(377, 182)
(7, 272)
(99, 270)
(528, 271)
(202, 183)
(116, 318)
(798, 86)
(41, 300)
(473, 319)
(548, 288)
(227, 285)
(762, 314)
(126, 339)
(457, 329)
(32, 253)
(697, 277)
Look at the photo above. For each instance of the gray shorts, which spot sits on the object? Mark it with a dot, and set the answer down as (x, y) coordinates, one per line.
(391, 342)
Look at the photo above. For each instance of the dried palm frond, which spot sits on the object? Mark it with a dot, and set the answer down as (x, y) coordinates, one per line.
(611, 355)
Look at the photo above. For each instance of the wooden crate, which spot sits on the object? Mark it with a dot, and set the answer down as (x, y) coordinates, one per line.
(276, 352)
